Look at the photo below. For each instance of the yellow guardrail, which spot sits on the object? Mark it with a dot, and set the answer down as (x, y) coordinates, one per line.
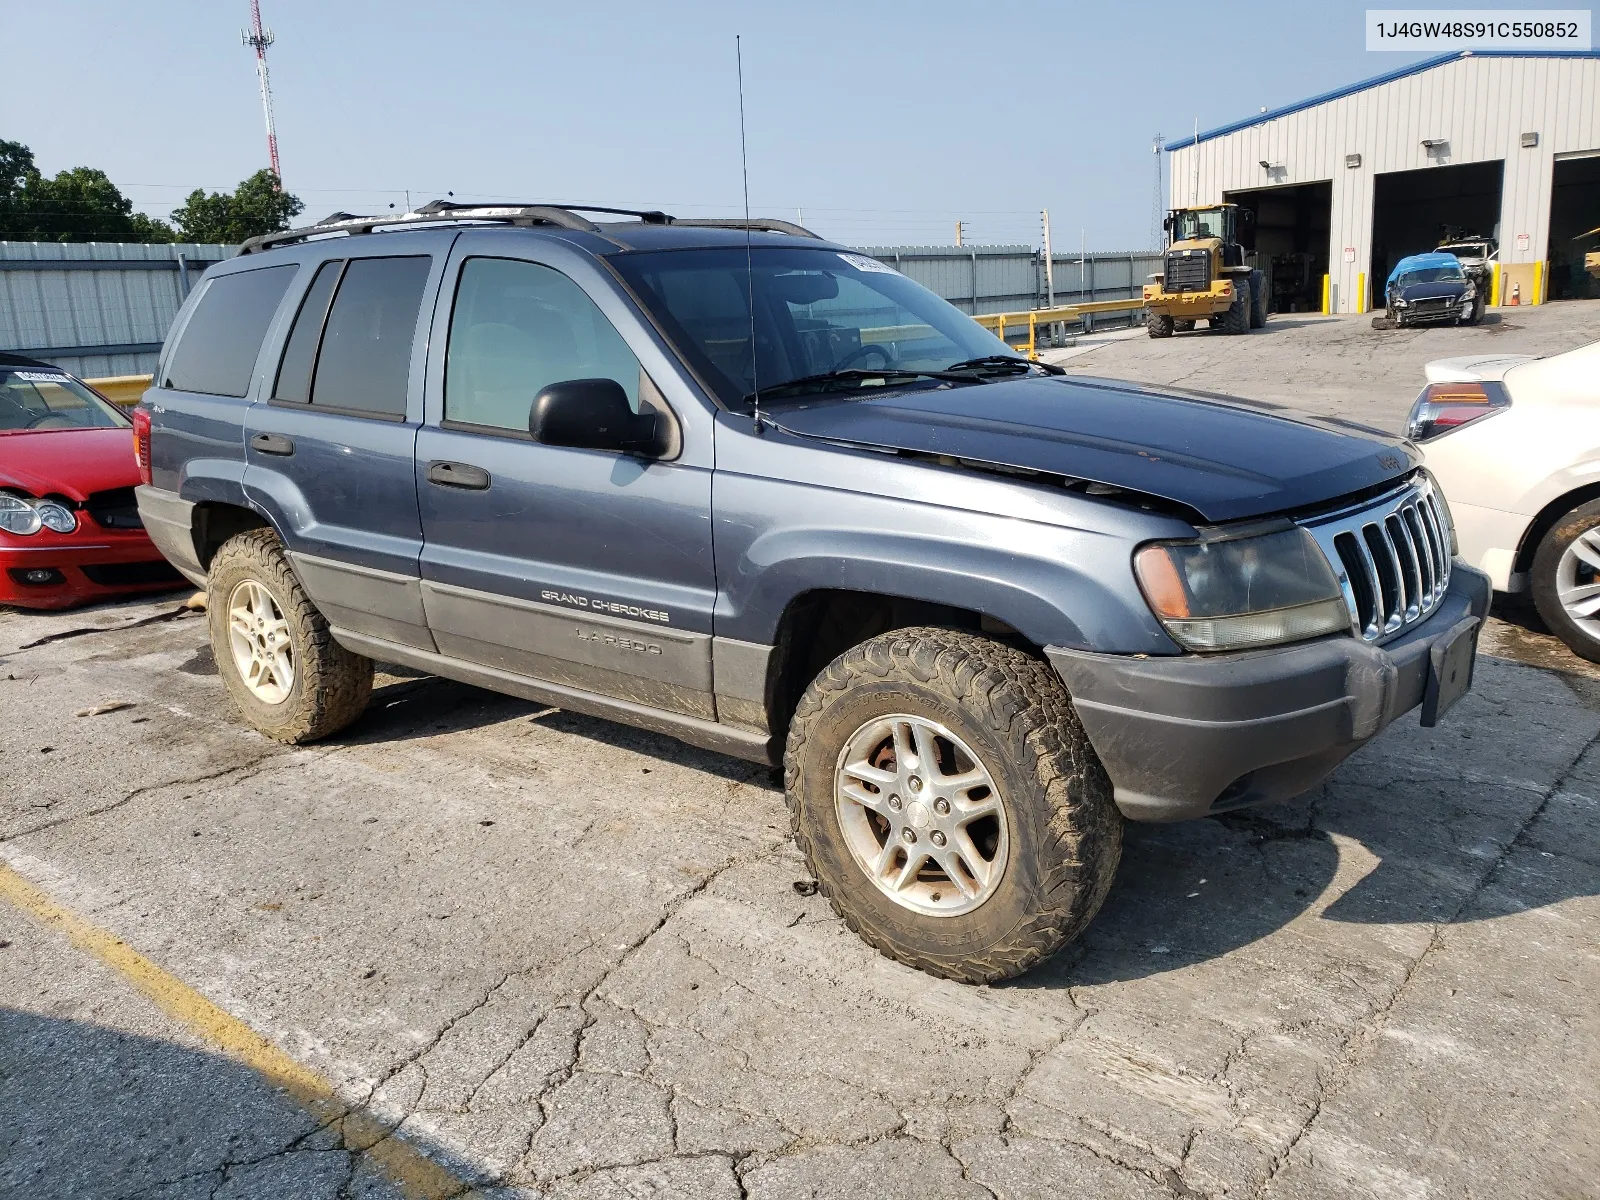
(123, 390)
(999, 322)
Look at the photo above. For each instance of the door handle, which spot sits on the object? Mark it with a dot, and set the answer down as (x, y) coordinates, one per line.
(272, 443)
(459, 475)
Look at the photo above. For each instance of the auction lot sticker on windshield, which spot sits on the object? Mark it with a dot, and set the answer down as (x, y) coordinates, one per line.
(1413, 29)
(40, 376)
(862, 263)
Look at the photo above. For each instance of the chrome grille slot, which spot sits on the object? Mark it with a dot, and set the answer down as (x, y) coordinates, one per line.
(1392, 557)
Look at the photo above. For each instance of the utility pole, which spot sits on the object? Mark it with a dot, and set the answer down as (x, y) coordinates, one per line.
(961, 231)
(259, 39)
(1194, 150)
(1157, 207)
(1049, 262)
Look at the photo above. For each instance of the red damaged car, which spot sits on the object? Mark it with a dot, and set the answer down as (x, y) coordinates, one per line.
(69, 528)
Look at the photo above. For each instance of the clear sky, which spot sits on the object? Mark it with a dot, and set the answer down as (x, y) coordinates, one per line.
(882, 121)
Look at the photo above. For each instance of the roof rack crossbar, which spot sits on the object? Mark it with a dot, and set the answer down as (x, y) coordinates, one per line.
(755, 224)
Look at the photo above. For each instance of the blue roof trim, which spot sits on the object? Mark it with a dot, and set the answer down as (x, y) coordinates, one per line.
(1415, 68)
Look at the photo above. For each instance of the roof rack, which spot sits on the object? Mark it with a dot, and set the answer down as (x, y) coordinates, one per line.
(756, 224)
(560, 216)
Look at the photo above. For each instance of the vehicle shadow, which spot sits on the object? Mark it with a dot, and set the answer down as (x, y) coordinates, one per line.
(91, 1112)
(1422, 815)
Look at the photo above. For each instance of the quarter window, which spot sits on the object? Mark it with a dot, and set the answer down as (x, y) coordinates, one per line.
(216, 354)
(365, 359)
(518, 327)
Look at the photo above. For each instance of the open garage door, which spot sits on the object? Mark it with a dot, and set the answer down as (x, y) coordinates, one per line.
(1413, 211)
(1574, 210)
(1285, 237)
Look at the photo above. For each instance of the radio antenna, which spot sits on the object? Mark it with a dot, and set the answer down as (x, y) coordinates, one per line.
(749, 267)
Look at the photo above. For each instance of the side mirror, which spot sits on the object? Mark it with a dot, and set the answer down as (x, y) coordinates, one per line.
(592, 414)
(1166, 223)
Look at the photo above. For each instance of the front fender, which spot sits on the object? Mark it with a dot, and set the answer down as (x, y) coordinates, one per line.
(1056, 584)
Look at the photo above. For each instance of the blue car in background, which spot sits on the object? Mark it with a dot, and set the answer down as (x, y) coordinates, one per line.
(1432, 289)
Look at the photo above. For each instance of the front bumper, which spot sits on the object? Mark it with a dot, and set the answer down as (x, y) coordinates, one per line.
(1194, 734)
(1184, 306)
(84, 566)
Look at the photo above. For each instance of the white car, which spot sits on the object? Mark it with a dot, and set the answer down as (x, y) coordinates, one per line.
(1514, 442)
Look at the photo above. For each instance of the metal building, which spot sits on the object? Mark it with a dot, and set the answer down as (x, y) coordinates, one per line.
(1343, 185)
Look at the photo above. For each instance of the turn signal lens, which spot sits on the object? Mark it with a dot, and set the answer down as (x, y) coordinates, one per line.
(1236, 593)
(1445, 406)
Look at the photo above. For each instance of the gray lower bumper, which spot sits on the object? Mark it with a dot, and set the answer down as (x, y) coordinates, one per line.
(169, 520)
(1194, 734)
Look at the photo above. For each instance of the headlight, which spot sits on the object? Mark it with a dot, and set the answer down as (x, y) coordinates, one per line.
(56, 516)
(1470, 294)
(1241, 592)
(1400, 303)
(18, 516)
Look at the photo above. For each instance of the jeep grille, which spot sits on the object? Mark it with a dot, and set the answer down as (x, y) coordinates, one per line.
(1392, 557)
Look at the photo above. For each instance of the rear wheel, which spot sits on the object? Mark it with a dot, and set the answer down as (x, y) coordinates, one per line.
(1566, 580)
(1183, 326)
(274, 652)
(1237, 318)
(949, 803)
(1258, 300)
(1159, 325)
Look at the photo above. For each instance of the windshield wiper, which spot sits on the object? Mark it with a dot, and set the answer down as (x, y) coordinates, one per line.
(850, 375)
(1005, 362)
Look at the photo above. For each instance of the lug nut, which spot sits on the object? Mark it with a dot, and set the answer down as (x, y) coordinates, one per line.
(938, 838)
(894, 803)
(909, 835)
(942, 807)
(914, 784)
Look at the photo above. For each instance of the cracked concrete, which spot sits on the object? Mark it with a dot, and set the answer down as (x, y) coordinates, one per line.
(566, 959)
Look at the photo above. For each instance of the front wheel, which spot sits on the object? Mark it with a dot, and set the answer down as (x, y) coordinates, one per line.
(1258, 300)
(949, 803)
(1237, 318)
(273, 649)
(1565, 580)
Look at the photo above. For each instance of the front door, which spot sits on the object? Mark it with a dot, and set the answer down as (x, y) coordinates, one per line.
(582, 568)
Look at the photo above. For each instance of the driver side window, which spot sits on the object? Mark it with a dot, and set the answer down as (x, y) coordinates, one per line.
(516, 328)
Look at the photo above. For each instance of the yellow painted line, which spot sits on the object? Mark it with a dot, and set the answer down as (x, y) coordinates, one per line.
(416, 1175)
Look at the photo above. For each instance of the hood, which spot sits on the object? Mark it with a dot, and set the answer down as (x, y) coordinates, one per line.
(68, 462)
(1429, 291)
(1226, 459)
(1471, 367)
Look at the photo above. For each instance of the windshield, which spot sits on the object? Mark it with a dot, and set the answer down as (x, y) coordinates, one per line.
(1201, 223)
(44, 398)
(1429, 275)
(816, 311)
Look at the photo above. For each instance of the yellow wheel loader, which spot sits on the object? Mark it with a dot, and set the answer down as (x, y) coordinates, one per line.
(1204, 276)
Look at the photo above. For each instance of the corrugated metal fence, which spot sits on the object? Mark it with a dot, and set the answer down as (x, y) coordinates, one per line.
(96, 308)
(103, 308)
(989, 279)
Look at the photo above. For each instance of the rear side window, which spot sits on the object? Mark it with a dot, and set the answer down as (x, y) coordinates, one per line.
(300, 355)
(217, 351)
(365, 358)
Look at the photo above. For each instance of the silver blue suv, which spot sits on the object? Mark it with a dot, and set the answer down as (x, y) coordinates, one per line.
(742, 486)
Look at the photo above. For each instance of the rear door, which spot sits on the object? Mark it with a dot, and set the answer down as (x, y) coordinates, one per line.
(583, 568)
(331, 440)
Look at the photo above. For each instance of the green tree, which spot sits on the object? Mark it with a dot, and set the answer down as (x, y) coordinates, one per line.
(258, 205)
(78, 205)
